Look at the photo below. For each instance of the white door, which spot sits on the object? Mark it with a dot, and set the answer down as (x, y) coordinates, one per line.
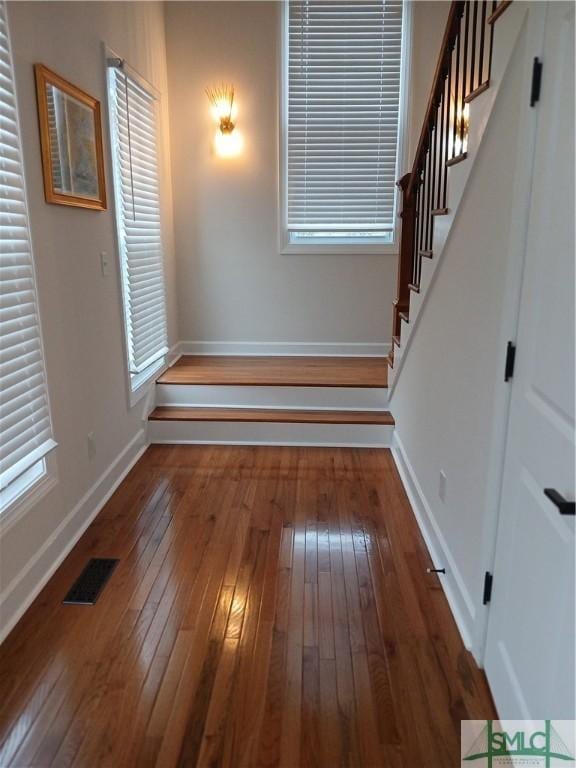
(531, 637)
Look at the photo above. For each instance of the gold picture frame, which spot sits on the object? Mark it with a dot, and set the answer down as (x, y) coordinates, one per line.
(71, 142)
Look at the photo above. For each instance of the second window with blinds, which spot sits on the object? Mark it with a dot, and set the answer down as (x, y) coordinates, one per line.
(341, 110)
(133, 112)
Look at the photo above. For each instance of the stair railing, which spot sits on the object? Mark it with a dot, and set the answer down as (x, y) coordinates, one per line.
(462, 73)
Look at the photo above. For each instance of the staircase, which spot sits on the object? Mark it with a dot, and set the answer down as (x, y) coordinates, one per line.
(470, 68)
(312, 401)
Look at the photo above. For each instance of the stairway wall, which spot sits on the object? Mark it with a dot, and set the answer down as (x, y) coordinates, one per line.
(444, 400)
(234, 284)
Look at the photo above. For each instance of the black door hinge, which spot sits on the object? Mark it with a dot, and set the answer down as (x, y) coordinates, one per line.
(510, 360)
(536, 81)
(487, 588)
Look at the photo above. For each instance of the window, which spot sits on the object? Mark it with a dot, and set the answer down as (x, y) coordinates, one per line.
(133, 126)
(342, 73)
(25, 424)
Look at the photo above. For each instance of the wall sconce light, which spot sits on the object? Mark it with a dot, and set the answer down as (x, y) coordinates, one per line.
(228, 141)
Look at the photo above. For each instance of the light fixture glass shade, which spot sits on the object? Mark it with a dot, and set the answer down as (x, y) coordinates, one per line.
(228, 144)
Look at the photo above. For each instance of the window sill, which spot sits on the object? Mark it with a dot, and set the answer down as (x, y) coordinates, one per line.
(345, 249)
(31, 491)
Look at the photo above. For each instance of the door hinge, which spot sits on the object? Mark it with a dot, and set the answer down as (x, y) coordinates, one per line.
(487, 596)
(510, 360)
(536, 81)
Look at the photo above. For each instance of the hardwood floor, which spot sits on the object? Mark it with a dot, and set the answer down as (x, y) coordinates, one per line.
(271, 607)
(279, 371)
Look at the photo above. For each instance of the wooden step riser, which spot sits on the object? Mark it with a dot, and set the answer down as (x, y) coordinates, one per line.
(302, 398)
(258, 433)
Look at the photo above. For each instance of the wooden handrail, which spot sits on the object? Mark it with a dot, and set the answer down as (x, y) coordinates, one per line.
(448, 40)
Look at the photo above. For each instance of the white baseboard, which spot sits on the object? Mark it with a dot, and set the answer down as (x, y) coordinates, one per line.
(458, 597)
(284, 348)
(19, 594)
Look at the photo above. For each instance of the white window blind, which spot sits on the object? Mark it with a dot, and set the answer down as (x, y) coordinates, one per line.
(25, 426)
(133, 118)
(343, 78)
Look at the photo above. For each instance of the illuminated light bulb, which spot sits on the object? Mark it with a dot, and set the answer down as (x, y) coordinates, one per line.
(228, 144)
(222, 110)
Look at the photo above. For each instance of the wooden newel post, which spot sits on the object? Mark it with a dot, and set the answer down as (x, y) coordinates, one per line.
(405, 265)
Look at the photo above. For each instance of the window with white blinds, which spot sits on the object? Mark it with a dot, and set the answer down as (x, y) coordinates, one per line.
(25, 425)
(133, 122)
(343, 73)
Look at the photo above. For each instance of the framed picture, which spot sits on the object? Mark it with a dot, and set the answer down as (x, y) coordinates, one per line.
(71, 141)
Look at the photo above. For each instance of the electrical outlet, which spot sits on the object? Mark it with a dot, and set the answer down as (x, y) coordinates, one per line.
(442, 485)
(104, 263)
(91, 445)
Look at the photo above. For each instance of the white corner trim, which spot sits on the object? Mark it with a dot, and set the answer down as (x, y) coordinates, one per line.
(173, 354)
(18, 595)
(459, 599)
(287, 348)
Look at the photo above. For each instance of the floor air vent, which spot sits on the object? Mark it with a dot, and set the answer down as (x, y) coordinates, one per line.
(91, 582)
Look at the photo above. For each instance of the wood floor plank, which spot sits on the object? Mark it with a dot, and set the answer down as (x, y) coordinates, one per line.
(292, 700)
(278, 371)
(166, 733)
(271, 608)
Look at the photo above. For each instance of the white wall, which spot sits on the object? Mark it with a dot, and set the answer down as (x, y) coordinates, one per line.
(80, 309)
(233, 283)
(450, 385)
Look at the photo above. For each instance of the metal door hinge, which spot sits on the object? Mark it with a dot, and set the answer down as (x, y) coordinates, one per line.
(536, 81)
(510, 360)
(487, 596)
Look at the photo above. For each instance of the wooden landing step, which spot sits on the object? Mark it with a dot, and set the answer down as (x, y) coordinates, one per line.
(278, 371)
(271, 415)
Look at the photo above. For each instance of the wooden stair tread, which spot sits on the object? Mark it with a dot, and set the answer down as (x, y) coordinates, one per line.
(500, 8)
(278, 371)
(457, 159)
(181, 413)
(477, 91)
